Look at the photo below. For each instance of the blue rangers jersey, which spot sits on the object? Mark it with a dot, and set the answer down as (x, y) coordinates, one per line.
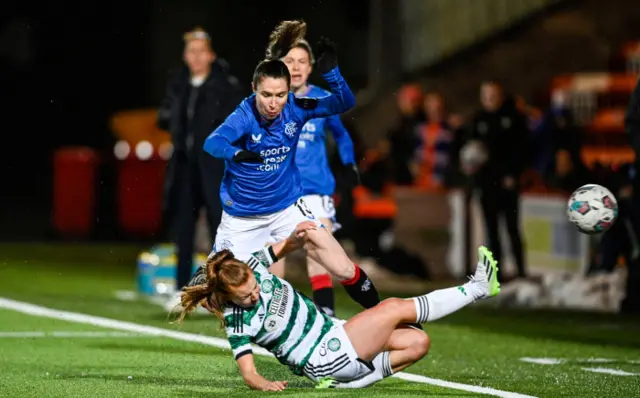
(250, 189)
(311, 157)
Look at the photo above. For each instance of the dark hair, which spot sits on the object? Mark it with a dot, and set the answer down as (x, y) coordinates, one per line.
(271, 68)
(285, 37)
(211, 285)
(493, 82)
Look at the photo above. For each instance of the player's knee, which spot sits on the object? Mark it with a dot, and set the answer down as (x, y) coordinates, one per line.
(420, 344)
(393, 305)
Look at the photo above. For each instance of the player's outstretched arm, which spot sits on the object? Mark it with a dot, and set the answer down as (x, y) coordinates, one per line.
(341, 98)
(294, 242)
(220, 143)
(253, 379)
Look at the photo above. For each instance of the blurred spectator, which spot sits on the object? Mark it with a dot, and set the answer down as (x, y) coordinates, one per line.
(631, 303)
(621, 238)
(377, 168)
(431, 163)
(199, 97)
(565, 175)
(533, 114)
(556, 130)
(503, 131)
(402, 139)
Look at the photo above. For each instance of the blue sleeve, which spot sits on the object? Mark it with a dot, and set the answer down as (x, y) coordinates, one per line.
(220, 143)
(339, 101)
(343, 140)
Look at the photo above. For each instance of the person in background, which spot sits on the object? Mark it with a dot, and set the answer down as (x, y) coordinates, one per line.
(198, 99)
(503, 131)
(565, 175)
(621, 238)
(402, 139)
(431, 162)
(556, 130)
(631, 303)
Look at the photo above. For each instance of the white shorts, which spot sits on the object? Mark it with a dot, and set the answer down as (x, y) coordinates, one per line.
(246, 235)
(322, 206)
(336, 357)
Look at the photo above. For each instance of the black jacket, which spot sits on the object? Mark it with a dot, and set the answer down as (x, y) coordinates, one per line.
(506, 136)
(217, 97)
(632, 120)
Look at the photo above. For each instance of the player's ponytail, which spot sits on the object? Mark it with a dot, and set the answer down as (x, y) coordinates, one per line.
(210, 287)
(284, 37)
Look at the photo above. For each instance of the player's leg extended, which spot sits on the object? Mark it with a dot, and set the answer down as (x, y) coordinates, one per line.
(321, 280)
(325, 250)
(385, 317)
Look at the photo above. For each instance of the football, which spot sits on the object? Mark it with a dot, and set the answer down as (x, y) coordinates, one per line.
(592, 209)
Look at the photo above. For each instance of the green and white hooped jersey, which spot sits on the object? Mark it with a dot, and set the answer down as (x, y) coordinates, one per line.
(285, 322)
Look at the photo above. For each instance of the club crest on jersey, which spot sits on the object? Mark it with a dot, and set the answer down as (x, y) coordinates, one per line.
(273, 323)
(267, 286)
(290, 129)
(334, 344)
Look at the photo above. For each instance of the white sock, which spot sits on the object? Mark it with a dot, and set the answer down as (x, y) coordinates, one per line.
(443, 302)
(382, 369)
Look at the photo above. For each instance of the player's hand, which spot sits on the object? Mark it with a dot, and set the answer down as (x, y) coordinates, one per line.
(247, 157)
(275, 386)
(353, 176)
(327, 55)
(302, 228)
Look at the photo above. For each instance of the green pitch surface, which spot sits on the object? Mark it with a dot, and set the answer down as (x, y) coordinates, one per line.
(64, 333)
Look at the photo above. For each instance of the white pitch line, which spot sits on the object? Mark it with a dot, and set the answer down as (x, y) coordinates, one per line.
(543, 361)
(71, 334)
(615, 372)
(36, 310)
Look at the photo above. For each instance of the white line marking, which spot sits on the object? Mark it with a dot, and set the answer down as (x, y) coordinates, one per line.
(609, 371)
(597, 360)
(94, 334)
(36, 310)
(543, 361)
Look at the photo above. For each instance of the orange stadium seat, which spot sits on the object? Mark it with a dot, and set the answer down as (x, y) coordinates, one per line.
(607, 155)
(608, 121)
(597, 83)
(138, 125)
(368, 205)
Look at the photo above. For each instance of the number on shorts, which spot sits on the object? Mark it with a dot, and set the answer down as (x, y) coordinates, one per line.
(304, 209)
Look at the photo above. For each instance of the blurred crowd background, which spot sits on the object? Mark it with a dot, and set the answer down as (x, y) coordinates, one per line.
(537, 89)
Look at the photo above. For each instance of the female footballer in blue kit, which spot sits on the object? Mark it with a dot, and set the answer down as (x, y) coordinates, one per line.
(318, 182)
(261, 192)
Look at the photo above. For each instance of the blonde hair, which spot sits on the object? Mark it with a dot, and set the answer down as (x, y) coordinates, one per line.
(303, 44)
(211, 287)
(197, 34)
(287, 35)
